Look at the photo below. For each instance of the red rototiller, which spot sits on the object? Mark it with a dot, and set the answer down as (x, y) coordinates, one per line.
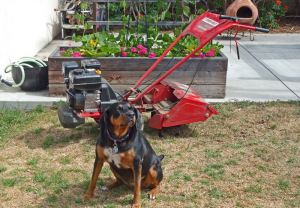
(171, 103)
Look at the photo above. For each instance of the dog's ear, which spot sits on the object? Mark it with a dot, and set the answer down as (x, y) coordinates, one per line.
(161, 157)
(139, 122)
(104, 118)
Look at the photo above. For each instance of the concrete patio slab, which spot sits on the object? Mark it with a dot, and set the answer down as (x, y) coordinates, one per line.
(249, 79)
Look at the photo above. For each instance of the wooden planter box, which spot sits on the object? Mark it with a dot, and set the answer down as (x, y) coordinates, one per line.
(123, 72)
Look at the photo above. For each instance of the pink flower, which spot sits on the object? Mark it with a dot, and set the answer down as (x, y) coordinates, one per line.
(124, 54)
(140, 47)
(97, 26)
(193, 56)
(77, 54)
(97, 12)
(201, 55)
(61, 52)
(212, 50)
(144, 50)
(122, 48)
(69, 44)
(152, 55)
(133, 49)
(140, 53)
(210, 54)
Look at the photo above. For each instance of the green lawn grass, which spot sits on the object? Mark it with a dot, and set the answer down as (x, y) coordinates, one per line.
(246, 156)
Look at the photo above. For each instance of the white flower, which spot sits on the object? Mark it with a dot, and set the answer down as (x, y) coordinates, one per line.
(154, 46)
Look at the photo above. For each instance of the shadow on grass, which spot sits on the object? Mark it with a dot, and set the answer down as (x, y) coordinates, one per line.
(55, 136)
(72, 196)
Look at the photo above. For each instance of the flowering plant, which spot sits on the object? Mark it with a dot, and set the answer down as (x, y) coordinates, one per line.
(107, 45)
(270, 14)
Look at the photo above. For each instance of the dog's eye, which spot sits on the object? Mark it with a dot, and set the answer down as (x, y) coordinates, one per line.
(120, 107)
(129, 107)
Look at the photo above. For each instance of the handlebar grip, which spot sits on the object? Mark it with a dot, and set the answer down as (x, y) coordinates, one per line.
(6, 82)
(261, 30)
(223, 16)
(229, 18)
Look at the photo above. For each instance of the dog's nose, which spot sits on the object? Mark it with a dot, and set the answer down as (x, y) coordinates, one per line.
(130, 114)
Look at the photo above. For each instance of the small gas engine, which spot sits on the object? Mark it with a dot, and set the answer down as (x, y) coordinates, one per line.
(87, 93)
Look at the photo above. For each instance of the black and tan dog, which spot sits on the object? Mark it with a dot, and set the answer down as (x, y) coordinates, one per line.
(132, 160)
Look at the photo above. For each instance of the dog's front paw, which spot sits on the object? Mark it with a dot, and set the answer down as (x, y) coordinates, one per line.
(153, 194)
(104, 188)
(151, 197)
(136, 206)
(87, 196)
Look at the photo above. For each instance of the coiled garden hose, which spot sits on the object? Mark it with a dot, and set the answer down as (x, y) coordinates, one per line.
(20, 63)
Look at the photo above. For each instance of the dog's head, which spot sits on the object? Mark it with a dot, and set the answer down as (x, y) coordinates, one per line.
(119, 117)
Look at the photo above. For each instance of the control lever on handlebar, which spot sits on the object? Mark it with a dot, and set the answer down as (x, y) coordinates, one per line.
(237, 45)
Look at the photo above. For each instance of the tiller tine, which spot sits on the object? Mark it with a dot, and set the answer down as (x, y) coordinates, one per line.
(176, 104)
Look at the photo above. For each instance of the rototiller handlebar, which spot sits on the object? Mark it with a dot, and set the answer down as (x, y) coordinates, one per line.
(204, 28)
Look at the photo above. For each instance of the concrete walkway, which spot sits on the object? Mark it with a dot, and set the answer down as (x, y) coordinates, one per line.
(247, 78)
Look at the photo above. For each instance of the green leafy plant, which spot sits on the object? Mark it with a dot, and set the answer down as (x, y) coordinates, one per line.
(159, 11)
(107, 45)
(80, 17)
(270, 13)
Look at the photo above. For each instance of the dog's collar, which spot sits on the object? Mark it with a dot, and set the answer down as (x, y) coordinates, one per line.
(118, 140)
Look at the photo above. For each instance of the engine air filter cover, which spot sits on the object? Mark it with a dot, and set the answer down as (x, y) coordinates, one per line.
(85, 80)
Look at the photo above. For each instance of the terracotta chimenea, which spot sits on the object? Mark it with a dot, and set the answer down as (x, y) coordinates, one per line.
(245, 10)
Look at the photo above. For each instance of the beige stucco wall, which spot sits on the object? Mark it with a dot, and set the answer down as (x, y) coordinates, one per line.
(26, 27)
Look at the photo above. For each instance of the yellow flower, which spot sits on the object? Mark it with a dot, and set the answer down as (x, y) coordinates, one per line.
(189, 49)
(92, 42)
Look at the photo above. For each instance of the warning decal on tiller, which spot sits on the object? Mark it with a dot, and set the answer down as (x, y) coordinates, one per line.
(206, 24)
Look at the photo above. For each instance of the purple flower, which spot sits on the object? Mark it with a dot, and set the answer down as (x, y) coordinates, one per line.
(124, 54)
(152, 55)
(140, 47)
(133, 49)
